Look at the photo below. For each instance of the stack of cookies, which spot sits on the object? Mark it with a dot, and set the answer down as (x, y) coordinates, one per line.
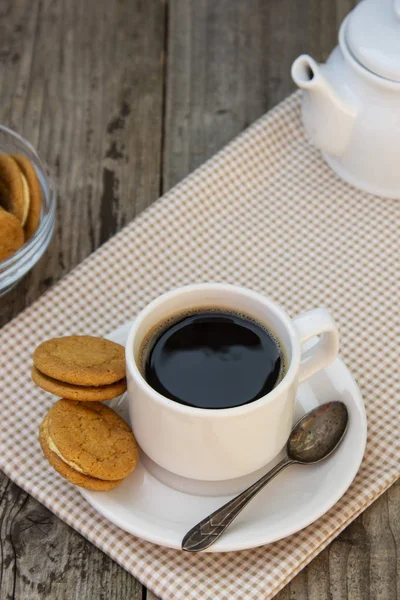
(20, 202)
(80, 367)
(83, 440)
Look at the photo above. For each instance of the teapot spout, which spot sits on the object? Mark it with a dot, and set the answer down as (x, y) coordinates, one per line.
(328, 118)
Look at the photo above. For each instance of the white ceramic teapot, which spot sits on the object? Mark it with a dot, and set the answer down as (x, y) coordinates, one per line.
(351, 104)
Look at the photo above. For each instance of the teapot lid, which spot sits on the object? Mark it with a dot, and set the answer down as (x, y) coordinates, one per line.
(373, 36)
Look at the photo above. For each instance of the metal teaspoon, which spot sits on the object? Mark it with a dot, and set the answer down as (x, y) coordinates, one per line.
(314, 437)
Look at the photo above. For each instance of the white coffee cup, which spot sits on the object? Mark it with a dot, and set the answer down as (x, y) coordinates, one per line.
(223, 444)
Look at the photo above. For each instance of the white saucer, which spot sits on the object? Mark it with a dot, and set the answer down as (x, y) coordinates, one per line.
(151, 510)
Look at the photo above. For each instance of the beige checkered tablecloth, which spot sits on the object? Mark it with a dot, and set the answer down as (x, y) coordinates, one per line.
(267, 213)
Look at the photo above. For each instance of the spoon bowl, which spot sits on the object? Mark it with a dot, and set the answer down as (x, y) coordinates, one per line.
(316, 435)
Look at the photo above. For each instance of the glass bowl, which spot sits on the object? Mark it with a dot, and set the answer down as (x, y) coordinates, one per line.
(18, 264)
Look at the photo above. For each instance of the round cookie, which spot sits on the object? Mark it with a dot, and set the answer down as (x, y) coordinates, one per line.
(78, 392)
(25, 189)
(11, 189)
(6, 200)
(11, 234)
(35, 193)
(92, 438)
(81, 360)
(79, 479)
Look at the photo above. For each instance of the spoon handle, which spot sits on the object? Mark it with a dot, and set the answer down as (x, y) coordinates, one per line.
(205, 533)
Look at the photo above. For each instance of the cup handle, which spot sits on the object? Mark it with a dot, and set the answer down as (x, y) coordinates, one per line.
(317, 322)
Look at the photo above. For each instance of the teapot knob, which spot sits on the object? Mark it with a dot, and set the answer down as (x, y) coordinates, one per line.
(396, 6)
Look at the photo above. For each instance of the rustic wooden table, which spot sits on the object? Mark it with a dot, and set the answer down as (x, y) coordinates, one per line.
(124, 98)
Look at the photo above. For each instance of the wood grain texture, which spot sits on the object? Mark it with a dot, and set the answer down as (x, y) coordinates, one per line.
(43, 558)
(124, 99)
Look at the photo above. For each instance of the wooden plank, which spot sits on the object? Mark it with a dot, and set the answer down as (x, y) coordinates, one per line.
(217, 84)
(83, 81)
(43, 558)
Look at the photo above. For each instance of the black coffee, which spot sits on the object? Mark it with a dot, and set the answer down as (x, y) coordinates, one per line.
(212, 359)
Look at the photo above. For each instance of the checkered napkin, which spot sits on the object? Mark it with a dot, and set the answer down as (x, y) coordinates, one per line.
(266, 212)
